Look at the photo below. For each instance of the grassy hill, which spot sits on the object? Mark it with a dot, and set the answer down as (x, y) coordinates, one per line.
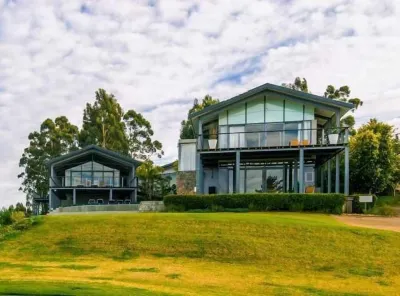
(200, 254)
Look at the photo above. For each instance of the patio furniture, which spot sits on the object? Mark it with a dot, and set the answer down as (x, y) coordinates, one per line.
(100, 201)
(120, 201)
(127, 201)
(294, 142)
(310, 189)
(91, 202)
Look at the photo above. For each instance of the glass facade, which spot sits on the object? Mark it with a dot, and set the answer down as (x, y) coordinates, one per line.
(92, 174)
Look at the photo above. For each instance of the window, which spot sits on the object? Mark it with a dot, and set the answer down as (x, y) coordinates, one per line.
(293, 111)
(254, 182)
(292, 131)
(255, 136)
(274, 134)
(237, 137)
(274, 110)
(255, 111)
(309, 177)
(223, 137)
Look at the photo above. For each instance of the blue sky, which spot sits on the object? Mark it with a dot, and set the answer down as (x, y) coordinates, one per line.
(157, 56)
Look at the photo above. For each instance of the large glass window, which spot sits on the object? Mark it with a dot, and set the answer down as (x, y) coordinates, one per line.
(83, 175)
(223, 137)
(76, 178)
(274, 180)
(293, 111)
(292, 132)
(237, 115)
(274, 110)
(255, 136)
(254, 182)
(237, 137)
(274, 134)
(255, 111)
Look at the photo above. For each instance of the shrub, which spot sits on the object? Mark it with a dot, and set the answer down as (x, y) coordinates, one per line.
(318, 202)
(384, 210)
(17, 216)
(5, 217)
(358, 207)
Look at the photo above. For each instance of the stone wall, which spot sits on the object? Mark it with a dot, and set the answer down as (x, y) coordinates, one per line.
(151, 206)
(185, 182)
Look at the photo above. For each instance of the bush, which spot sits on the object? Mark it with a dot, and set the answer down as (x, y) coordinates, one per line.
(5, 217)
(384, 210)
(358, 207)
(17, 216)
(318, 202)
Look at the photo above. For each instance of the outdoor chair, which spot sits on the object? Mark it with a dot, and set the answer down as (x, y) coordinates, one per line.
(310, 189)
(127, 201)
(305, 142)
(100, 201)
(294, 142)
(120, 201)
(91, 202)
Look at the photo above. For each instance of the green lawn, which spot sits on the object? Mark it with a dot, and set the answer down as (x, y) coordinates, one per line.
(200, 254)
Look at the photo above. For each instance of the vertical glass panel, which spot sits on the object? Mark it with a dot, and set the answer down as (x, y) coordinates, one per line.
(255, 111)
(223, 137)
(87, 178)
(255, 136)
(109, 179)
(223, 119)
(67, 181)
(76, 179)
(223, 186)
(97, 166)
(293, 111)
(237, 137)
(274, 110)
(274, 134)
(274, 180)
(307, 132)
(308, 112)
(292, 131)
(98, 179)
(254, 181)
(237, 115)
(87, 166)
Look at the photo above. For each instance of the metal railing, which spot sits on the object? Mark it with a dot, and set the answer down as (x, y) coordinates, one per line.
(94, 182)
(273, 138)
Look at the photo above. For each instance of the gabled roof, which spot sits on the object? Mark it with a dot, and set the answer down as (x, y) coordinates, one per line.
(307, 97)
(93, 148)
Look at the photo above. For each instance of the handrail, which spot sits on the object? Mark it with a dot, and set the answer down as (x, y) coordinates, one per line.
(305, 137)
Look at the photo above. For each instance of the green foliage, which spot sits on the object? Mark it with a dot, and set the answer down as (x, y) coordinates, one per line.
(187, 131)
(373, 161)
(384, 210)
(299, 84)
(330, 203)
(152, 183)
(358, 207)
(53, 139)
(5, 217)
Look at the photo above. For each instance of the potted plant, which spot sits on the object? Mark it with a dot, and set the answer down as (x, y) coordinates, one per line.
(333, 137)
(212, 141)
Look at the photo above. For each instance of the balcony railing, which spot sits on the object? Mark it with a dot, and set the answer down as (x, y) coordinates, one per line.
(274, 138)
(94, 182)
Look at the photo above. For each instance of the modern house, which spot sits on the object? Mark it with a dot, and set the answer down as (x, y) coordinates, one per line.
(269, 139)
(91, 173)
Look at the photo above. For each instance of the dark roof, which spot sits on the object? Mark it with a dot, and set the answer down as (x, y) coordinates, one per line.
(95, 148)
(169, 165)
(277, 89)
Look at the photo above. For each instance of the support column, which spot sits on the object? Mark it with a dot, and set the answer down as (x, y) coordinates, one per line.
(110, 197)
(329, 177)
(301, 179)
(199, 174)
(237, 172)
(322, 178)
(74, 196)
(290, 176)
(337, 178)
(346, 166)
(296, 188)
(284, 178)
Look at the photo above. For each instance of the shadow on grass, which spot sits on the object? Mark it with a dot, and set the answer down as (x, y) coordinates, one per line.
(291, 289)
(78, 267)
(137, 269)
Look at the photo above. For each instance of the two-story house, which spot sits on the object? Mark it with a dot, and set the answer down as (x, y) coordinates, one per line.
(269, 139)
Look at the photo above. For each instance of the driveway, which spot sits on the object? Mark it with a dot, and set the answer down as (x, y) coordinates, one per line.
(386, 223)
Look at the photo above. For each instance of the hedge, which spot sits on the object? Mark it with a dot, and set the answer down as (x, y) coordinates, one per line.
(296, 202)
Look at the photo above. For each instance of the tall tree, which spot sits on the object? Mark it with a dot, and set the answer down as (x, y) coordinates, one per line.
(299, 84)
(53, 139)
(103, 125)
(139, 134)
(149, 175)
(187, 131)
(373, 157)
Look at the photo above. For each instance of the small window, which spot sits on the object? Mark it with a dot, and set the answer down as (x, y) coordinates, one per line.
(309, 177)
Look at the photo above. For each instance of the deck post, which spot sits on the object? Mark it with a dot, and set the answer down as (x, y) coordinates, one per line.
(346, 166)
(337, 178)
(322, 178)
(290, 176)
(237, 172)
(329, 177)
(284, 178)
(296, 188)
(199, 174)
(110, 197)
(301, 180)
(74, 196)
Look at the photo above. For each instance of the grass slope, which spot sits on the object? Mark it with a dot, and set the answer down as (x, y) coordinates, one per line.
(200, 254)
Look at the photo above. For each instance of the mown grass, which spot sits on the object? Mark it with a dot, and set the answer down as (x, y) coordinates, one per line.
(206, 254)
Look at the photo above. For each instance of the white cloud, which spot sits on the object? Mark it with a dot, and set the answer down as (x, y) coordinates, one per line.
(157, 58)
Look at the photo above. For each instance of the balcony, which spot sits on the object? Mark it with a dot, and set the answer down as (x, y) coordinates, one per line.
(94, 182)
(248, 137)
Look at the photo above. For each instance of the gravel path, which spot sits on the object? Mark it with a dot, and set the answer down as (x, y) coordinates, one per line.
(386, 223)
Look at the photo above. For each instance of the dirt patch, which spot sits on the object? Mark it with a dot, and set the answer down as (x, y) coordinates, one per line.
(386, 223)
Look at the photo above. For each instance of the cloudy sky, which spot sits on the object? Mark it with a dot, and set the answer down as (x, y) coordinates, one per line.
(156, 56)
